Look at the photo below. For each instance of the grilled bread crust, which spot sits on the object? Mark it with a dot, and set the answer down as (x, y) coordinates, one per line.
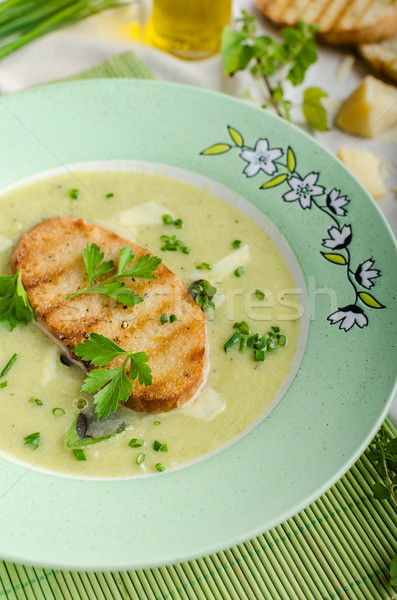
(50, 258)
(382, 58)
(339, 21)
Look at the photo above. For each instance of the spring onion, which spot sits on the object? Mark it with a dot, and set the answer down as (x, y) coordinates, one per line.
(23, 21)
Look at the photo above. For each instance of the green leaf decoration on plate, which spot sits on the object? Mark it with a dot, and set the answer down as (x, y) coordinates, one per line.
(274, 182)
(236, 137)
(337, 259)
(370, 300)
(216, 149)
(291, 160)
(306, 191)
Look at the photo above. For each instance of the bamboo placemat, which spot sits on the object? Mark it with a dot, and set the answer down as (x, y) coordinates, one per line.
(339, 547)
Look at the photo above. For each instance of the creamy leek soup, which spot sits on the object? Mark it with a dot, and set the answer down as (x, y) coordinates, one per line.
(237, 256)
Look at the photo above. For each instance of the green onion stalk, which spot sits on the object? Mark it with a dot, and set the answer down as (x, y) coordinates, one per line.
(22, 21)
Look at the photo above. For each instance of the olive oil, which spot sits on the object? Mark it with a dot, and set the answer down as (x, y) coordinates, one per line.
(190, 29)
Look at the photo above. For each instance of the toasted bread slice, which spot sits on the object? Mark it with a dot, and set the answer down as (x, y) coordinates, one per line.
(339, 21)
(382, 58)
(52, 267)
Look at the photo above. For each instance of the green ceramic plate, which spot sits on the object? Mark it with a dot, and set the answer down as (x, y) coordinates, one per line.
(342, 389)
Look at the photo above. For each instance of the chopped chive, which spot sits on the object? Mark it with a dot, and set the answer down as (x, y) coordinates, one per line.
(136, 443)
(163, 319)
(159, 446)
(276, 329)
(74, 193)
(173, 318)
(167, 219)
(186, 250)
(259, 355)
(140, 458)
(282, 340)
(204, 265)
(252, 340)
(3, 384)
(79, 454)
(109, 195)
(58, 411)
(243, 327)
(239, 271)
(236, 244)
(235, 338)
(243, 344)
(159, 467)
(156, 422)
(9, 365)
(36, 401)
(33, 439)
(260, 295)
(178, 223)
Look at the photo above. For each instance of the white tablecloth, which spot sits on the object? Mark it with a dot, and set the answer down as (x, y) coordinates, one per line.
(69, 51)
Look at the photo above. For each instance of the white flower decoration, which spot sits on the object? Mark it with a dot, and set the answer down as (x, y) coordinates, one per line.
(339, 238)
(365, 274)
(303, 190)
(262, 157)
(349, 316)
(336, 202)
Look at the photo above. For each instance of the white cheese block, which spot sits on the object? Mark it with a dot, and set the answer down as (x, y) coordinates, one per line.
(366, 167)
(206, 406)
(149, 213)
(370, 110)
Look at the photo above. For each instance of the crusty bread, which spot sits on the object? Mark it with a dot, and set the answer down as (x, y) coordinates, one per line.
(340, 21)
(382, 58)
(52, 267)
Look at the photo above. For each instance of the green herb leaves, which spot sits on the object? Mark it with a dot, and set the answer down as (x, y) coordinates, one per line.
(111, 386)
(383, 453)
(96, 267)
(14, 304)
(272, 62)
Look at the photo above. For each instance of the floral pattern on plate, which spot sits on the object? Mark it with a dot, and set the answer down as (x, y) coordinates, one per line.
(306, 190)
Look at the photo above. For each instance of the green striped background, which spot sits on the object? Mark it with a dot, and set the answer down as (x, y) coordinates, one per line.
(338, 547)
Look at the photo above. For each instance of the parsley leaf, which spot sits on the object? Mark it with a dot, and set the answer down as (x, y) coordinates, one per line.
(313, 110)
(271, 61)
(96, 267)
(14, 304)
(111, 386)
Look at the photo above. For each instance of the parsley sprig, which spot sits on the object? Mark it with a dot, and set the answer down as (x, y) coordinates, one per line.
(111, 386)
(96, 267)
(14, 304)
(272, 62)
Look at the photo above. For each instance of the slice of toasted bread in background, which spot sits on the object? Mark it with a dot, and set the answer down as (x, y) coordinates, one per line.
(339, 21)
(382, 58)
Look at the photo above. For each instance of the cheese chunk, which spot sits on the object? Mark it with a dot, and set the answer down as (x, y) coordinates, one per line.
(370, 110)
(366, 167)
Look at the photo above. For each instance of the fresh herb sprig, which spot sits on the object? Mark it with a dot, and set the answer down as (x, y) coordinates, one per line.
(23, 21)
(272, 62)
(14, 304)
(383, 455)
(111, 386)
(96, 267)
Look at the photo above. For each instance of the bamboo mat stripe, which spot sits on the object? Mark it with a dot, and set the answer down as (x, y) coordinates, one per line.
(338, 548)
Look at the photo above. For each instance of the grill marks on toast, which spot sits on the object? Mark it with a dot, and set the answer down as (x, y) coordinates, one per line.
(339, 21)
(52, 267)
